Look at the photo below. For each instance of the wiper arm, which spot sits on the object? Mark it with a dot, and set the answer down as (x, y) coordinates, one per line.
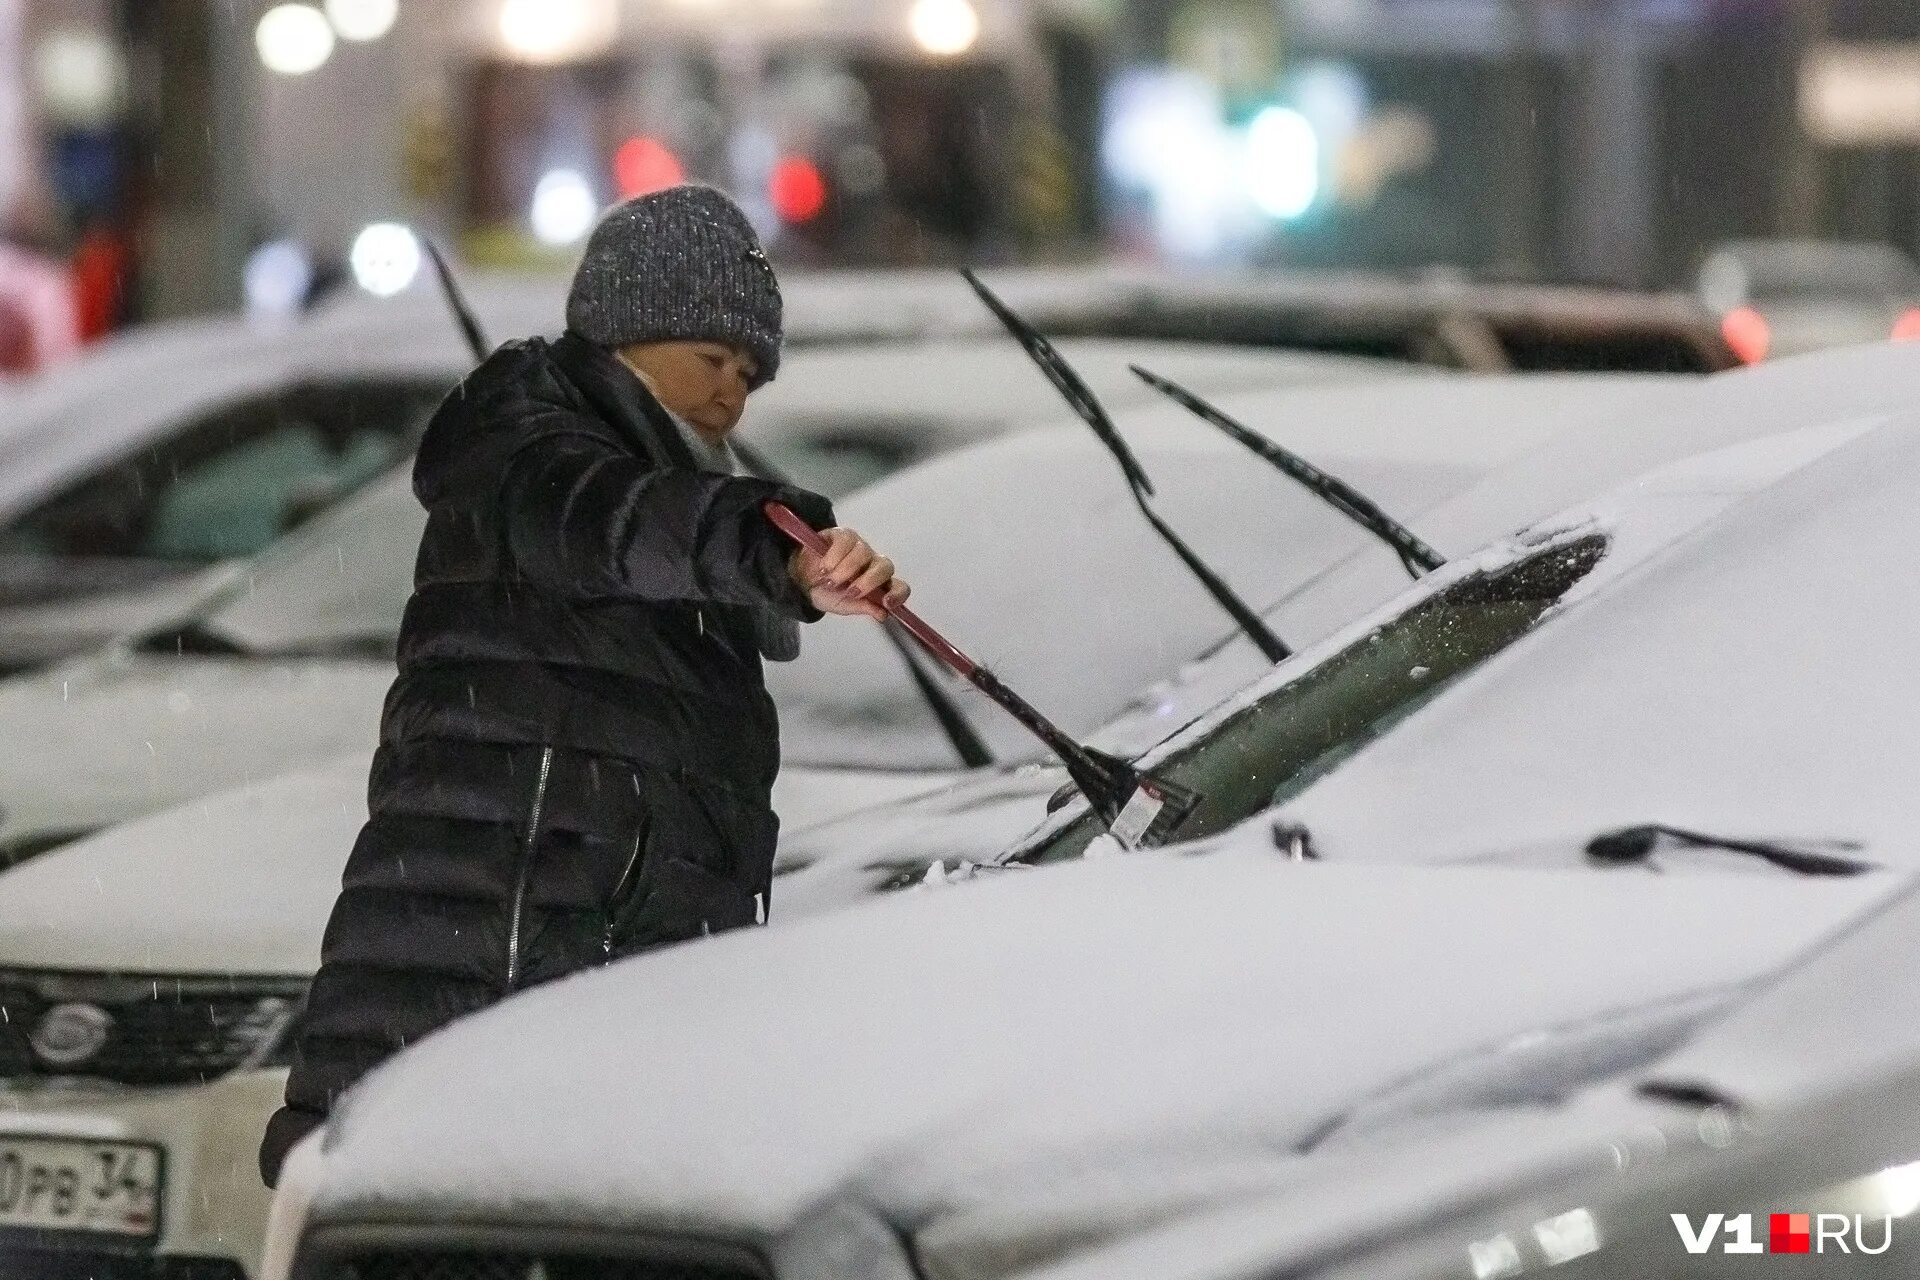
(1080, 398)
(966, 741)
(456, 300)
(1416, 555)
(1636, 844)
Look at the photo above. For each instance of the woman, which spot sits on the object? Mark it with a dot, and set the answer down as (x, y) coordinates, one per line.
(577, 758)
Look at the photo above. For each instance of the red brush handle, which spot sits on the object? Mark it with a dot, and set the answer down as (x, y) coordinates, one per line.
(785, 520)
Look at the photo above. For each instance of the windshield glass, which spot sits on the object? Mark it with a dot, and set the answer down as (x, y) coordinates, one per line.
(1271, 751)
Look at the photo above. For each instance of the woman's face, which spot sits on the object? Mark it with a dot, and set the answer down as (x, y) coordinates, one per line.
(704, 382)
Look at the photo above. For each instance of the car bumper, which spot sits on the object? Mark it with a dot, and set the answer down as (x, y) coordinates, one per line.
(214, 1206)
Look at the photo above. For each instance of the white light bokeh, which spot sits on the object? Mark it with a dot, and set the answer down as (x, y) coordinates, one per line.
(1282, 163)
(385, 259)
(294, 39)
(564, 208)
(363, 20)
(278, 277)
(557, 30)
(81, 76)
(945, 28)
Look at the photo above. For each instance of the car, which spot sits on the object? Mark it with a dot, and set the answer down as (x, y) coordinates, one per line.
(1547, 746)
(139, 478)
(1787, 297)
(282, 842)
(1798, 1100)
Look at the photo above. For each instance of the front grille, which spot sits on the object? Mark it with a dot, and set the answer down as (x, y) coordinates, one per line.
(139, 1030)
(62, 1264)
(527, 1266)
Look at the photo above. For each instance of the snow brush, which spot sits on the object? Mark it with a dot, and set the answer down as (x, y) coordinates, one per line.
(1138, 808)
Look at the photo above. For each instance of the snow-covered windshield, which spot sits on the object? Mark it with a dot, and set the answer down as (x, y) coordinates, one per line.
(1274, 749)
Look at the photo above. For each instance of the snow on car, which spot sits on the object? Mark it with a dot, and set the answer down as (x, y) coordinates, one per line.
(290, 836)
(135, 480)
(1800, 1098)
(288, 663)
(1342, 978)
(1610, 439)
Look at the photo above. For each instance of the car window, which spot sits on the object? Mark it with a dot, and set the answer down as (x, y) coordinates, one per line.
(1271, 751)
(222, 487)
(835, 457)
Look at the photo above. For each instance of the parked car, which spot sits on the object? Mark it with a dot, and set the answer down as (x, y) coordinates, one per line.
(1786, 297)
(1596, 730)
(287, 661)
(274, 850)
(139, 478)
(1800, 1100)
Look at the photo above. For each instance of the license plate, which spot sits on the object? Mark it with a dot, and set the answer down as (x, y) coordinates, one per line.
(66, 1184)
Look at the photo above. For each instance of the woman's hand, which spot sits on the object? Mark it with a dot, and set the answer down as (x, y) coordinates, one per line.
(850, 578)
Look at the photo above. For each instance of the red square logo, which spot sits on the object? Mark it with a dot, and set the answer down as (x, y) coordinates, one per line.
(1790, 1233)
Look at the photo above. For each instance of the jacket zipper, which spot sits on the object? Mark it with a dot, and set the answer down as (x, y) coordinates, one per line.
(619, 892)
(526, 871)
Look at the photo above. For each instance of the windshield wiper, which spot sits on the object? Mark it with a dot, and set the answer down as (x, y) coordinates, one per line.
(1080, 398)
(1415, 554)
(966, 741)
(1637, 844)
(456, 300)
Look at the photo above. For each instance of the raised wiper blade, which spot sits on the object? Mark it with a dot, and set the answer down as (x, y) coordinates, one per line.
(1416, 555)
(1080, 398)
(1637, 844)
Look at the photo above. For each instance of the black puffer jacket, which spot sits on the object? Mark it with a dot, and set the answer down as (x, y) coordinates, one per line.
(576, 760)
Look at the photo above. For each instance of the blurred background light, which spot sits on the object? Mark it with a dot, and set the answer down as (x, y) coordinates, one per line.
(294, 39)
(1747, 333)
(279, 276)
(946, 28)
(1282, 163)
(557, 30)
(564, 207)
(385, 259)
(363, 20)
(81, 75)
(645, 164)
(1164, 137)
(1907, 327)
(798, 190)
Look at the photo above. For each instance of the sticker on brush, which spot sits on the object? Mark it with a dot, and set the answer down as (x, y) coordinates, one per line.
(1130, 827)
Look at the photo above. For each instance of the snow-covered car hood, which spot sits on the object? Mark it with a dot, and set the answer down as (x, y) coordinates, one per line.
(911, 1049)
(239, 880)
(103, 739)
(238, 883)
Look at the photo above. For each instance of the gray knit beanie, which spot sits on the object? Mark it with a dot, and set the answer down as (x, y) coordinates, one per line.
(681, 264)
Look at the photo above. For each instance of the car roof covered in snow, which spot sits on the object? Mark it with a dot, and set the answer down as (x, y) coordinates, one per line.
(143, 387)
(930, 1040)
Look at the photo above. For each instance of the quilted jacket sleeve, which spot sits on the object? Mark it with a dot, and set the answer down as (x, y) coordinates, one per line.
(586, 519)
